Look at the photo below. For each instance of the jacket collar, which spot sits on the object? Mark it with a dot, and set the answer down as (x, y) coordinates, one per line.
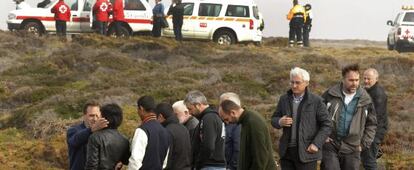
(170, 120)
(364, 98)
(305, 96)
(205, 111)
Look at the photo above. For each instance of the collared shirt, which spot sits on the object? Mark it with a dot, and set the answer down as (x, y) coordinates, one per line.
(298, 99)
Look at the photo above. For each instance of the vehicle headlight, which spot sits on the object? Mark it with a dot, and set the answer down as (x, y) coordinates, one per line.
(11, 16)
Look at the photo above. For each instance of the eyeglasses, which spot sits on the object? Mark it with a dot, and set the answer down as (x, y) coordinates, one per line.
(296, 82)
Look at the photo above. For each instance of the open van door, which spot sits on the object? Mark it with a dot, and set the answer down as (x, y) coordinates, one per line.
(87, 16)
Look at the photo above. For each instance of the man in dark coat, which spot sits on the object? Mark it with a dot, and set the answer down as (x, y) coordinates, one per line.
(179, 157)
(306, 126)
(78, 135)
(177, 11)
(208, 138)
(354, 122)
(379, 98)
(184, 117)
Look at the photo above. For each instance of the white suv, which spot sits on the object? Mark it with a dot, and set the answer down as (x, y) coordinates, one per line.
(40, 20)
(223, 21)
(401, 35)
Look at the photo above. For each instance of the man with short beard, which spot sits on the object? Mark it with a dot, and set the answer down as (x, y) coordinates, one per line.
(352, 112)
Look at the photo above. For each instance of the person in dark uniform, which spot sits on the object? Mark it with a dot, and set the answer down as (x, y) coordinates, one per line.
(308, 24)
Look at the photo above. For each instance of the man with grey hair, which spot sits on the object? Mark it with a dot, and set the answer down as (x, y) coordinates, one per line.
(379, 98)
(208, 137)
(232, 148)
(184, 117)
(304, 119)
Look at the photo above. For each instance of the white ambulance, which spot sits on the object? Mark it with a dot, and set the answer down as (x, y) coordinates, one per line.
(223, 21)
(39, 21)
(401, 35)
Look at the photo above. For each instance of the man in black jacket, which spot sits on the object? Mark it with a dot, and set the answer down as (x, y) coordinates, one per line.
(208, 138)
(107, 147)
(177, 11)
(306, 126)
(379, 99)
(179, 157)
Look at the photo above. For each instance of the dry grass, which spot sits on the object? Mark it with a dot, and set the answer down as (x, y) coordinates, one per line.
(44, 82)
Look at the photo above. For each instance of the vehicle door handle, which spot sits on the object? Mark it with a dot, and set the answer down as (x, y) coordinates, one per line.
(74, 15)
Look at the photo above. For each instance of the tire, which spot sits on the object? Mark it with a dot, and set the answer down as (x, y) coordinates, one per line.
(390, 47)
(124, 32)
(225, 37)
(34, 28)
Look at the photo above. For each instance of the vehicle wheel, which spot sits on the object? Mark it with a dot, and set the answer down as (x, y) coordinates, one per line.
(33, 28)
(398, 48)
(390, 47)
(124, 32)
(225, 37)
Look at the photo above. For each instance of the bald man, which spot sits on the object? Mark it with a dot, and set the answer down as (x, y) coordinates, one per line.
(379, 99)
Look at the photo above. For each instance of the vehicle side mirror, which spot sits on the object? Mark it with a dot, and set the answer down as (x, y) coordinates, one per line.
(389, 22)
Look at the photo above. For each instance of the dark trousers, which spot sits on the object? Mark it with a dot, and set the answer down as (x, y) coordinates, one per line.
(333, 159)
(177, 31)
(295, 30)
(291, 161)
(60, 28)
(118, 27)
(306, 31)
(156, 27)
(101, 27)
(369, 157)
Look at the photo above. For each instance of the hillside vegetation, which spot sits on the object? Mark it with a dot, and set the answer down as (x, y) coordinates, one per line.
(44, 83)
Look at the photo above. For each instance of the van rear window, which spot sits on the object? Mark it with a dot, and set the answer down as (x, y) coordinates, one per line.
(409, 17)
(237, 11)
(212, 10)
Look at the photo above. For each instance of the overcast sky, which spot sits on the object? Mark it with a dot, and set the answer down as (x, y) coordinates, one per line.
(333, 19)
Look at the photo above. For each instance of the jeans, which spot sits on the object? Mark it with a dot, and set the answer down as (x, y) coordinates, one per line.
(60, 28)
(306, 31)
(291, 161)
(369, 157)
(333, 159)
(177, 32)
(101, 27)
(212, 168)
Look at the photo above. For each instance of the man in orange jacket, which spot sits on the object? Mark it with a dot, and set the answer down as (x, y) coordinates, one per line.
(62, 15)
(296, 17)
(101, 11)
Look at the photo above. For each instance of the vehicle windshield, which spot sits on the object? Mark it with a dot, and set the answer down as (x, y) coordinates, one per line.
(256, 12)
(409, 17)
(50, 4)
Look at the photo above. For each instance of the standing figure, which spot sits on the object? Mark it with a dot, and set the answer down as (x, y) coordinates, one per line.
(101, 11)
(118, 16)
(308, 24)
(379, 98)
(177, 11)
(62, 15)
(304, 119)
(107, 147)
(296, 17)
(354, 122)
(157, 17)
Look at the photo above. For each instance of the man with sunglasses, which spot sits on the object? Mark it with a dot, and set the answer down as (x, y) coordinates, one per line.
(305, 123)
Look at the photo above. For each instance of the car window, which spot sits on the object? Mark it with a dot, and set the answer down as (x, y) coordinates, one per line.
(237, 11)
(256, 12)
(73, 4)
(409, 17)
(48, 4)
(134, 5)
(88, 5)
(212, 10)
(188, 8)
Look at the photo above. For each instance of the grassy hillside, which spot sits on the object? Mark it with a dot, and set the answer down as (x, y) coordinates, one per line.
(44, 82)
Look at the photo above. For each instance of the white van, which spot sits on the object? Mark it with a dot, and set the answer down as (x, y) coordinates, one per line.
(138, 15)
(223, 21)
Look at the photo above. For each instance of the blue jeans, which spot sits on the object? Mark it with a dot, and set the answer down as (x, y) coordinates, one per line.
(369, 157)
(177, 31)
(212, 168)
